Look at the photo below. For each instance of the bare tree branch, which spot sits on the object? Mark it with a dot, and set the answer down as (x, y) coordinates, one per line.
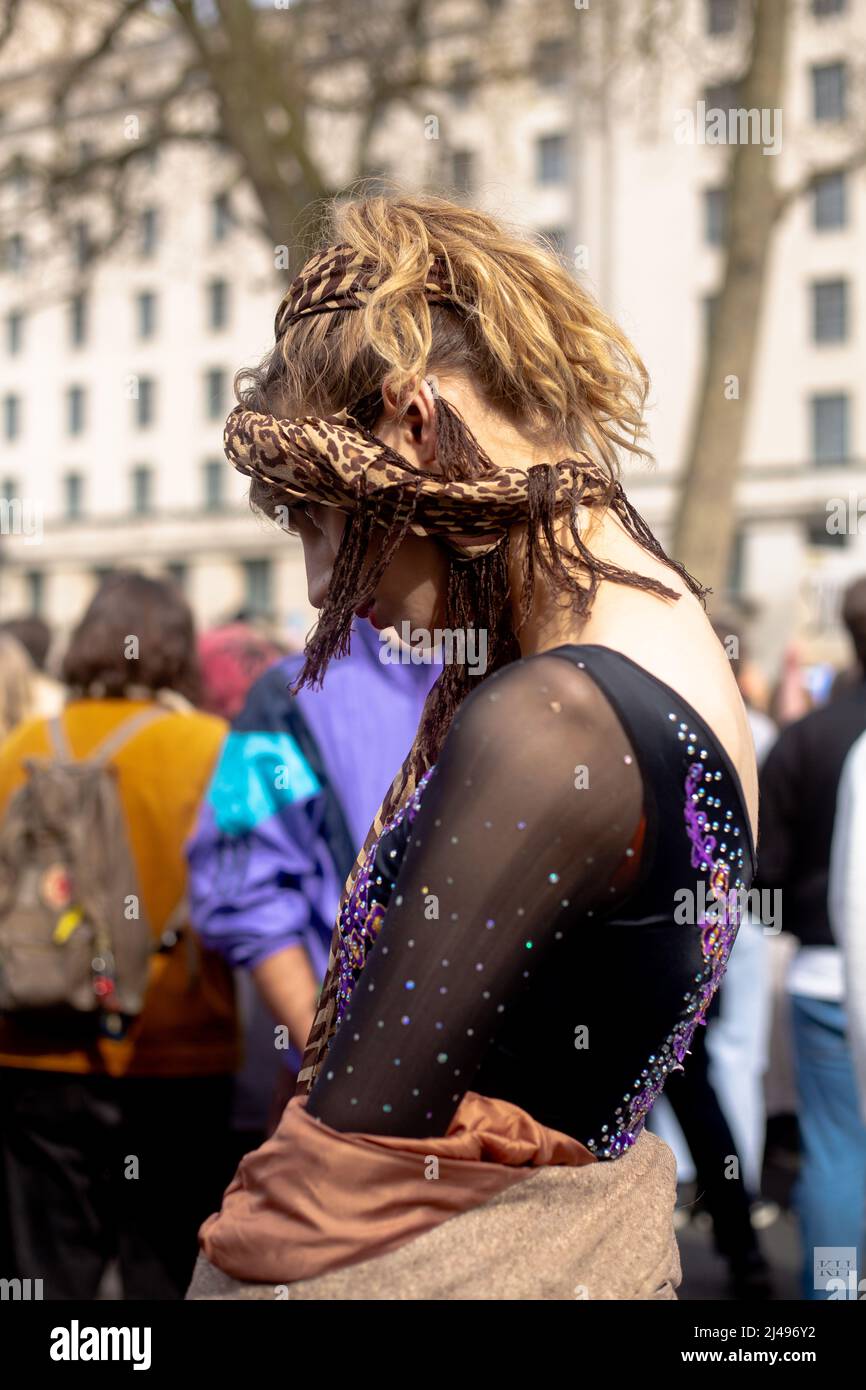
(11, 10)
(81, 65)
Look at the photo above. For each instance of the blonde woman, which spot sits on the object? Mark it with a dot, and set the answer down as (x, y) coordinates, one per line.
(546, 903)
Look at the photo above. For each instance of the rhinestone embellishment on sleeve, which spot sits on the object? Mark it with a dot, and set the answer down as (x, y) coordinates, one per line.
(716, 851)
(361, 918)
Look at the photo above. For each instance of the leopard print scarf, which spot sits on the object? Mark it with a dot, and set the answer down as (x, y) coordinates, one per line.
(337, 461)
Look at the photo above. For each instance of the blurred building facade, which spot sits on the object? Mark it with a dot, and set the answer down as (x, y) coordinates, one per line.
(116, 373)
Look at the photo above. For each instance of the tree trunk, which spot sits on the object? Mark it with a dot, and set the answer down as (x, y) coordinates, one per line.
(706, 516)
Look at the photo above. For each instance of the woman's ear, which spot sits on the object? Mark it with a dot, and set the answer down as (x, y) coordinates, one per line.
(414, 435)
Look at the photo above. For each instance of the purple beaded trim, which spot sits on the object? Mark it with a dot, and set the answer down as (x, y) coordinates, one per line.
(361, 920)
(717, 850)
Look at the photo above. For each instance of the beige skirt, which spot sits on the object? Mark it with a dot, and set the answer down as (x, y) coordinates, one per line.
(602, 1231)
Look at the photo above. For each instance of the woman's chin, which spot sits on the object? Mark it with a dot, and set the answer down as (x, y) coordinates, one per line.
(317, 591)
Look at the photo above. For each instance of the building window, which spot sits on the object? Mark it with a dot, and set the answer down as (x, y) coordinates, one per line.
(142, 490)
(82, 244)
(463, 83)
(148, 231)
(550, 62)
(736, 563)
(35, 581)
(820, 8)
(724, 96)
(830, 422)
(78, 320)
(550, 159)
(217, 304)
(462, 169)
(15, 252)
(14, 332)
(258, 581)
(73, 496)
(721, 16)
(75, 410)
(710, 307)
(215, 393)
(145, 313)
(828, 92)
(819, 533)
(18, 175)
(11, 417)
(221, 217)
(715, 216)
(145, 402)
(830, 311)
(214, 478)
(829, 201)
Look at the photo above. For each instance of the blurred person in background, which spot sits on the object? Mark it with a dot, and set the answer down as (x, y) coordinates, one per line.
(847, 894)
(719, 1102)
(17, 683)
(35, 636)
(297, 784)
(232, 657)
(113, 1142)
(791, 699)
(799, 787)
(738, 1037)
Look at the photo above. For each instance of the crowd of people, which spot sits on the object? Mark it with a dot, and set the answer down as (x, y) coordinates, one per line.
(358, 971)
(242, 807)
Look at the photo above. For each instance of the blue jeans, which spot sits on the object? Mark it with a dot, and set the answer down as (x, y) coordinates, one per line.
(830, 1192)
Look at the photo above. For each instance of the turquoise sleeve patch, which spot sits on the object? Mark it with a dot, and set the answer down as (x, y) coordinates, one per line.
(257, 774)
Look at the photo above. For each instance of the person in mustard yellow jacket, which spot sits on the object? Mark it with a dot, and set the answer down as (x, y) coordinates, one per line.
(116, 1149)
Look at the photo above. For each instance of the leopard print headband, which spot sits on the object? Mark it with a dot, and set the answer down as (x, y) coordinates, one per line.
(339, 277)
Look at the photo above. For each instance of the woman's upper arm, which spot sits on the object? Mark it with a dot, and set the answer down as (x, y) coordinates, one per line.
(533, 803)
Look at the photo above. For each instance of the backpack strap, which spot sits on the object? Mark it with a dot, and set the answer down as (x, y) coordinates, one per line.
(124, 732)
(57, 737)
(111, 744)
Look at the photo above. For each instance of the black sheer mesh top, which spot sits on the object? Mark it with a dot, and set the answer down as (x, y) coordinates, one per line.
(549, 916)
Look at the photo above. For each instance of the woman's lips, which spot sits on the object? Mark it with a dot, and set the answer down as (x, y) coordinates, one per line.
(367, 610)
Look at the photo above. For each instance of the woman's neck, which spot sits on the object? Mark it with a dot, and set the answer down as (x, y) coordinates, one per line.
(553, 620)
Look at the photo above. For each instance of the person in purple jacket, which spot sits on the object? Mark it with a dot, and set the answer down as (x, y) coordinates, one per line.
(297, 784)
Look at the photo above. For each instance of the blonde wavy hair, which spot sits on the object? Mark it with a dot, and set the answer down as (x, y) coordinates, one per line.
(534, 343)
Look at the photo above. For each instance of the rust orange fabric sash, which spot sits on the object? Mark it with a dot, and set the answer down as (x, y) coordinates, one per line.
(312, 1199)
